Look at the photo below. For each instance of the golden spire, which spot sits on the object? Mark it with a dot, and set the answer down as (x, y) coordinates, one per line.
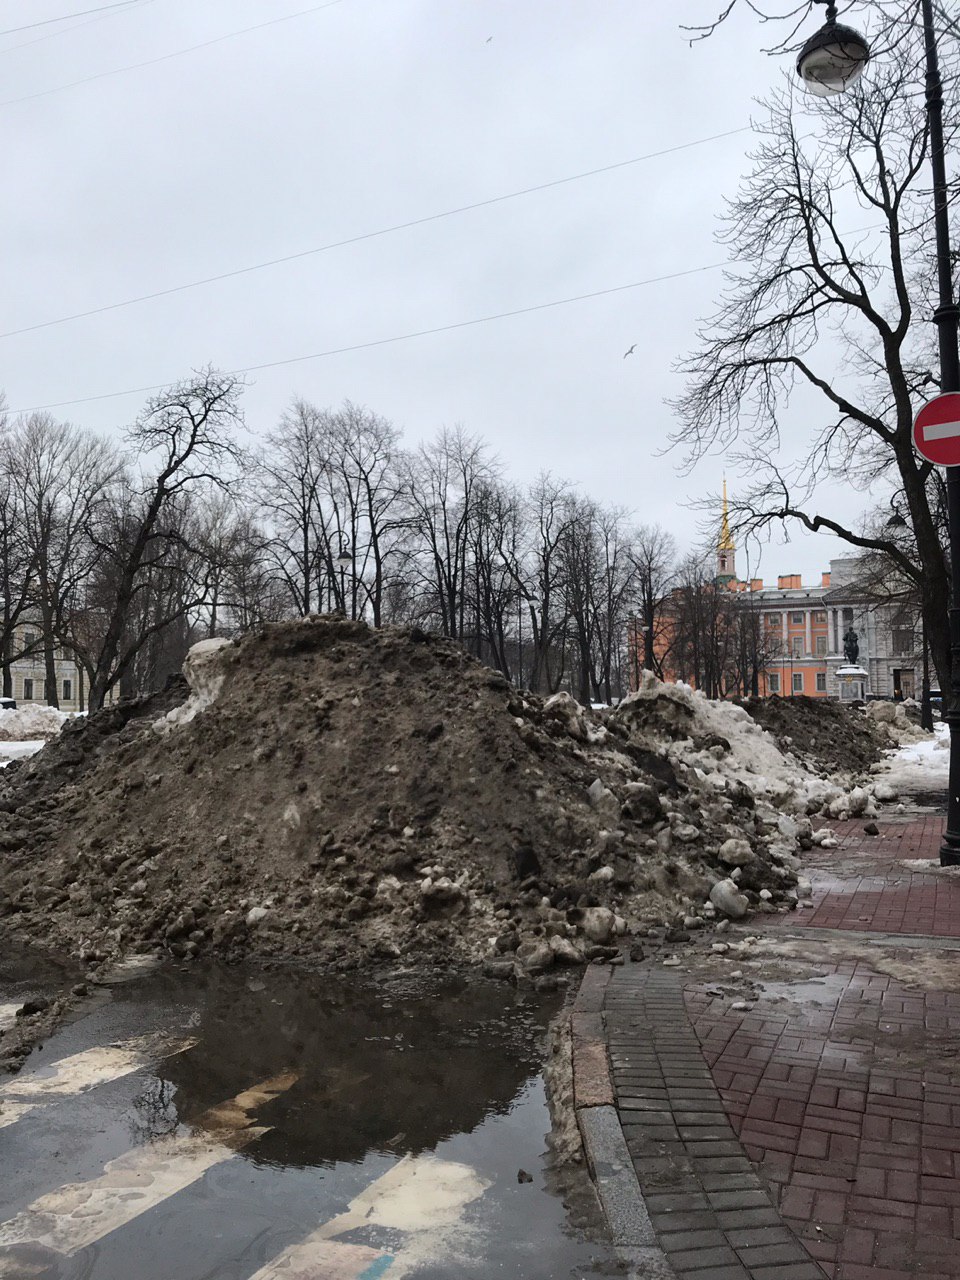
(726, 540)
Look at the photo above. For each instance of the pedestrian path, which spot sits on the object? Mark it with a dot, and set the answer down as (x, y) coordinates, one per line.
(868, 883)
(714, 1215)
(851, 1111)
(812, 1129)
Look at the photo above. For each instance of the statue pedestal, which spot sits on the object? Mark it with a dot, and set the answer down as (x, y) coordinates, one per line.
(852, 683)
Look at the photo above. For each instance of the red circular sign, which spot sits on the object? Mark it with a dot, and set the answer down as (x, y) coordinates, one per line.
(936, 430)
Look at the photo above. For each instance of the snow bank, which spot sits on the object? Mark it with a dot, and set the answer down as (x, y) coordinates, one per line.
(32, 723)
(894, 719)
(726, 746)
(919, 766)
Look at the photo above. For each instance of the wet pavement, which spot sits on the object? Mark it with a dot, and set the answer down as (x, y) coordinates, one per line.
(230, 1126)
(790, 1097)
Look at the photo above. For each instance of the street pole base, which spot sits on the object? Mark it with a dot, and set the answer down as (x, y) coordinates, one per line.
(949, 854)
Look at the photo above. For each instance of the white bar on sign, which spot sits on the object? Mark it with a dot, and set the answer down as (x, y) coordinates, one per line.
(942, 431)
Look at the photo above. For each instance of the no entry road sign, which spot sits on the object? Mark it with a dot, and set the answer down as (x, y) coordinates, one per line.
(936, 430)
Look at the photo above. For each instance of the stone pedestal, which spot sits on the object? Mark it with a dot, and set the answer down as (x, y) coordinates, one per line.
(852, 683)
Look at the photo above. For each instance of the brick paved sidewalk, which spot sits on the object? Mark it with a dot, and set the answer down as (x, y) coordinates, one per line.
(844, 1107)
(815, 1130)
(867, 883)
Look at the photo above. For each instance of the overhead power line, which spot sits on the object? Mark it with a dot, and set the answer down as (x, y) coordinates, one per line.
(371, 235)
(65, 31)
(67, 17)
(166, 57)
(399, 337)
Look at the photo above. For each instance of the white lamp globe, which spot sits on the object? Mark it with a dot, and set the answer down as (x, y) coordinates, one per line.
(832, 60)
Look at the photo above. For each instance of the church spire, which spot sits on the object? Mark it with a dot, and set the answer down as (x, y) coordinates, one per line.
(726, 549)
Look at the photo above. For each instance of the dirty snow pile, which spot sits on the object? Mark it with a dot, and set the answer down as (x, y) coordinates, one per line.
(830, 738)
(328, 793)
(728, 749)
(892, 719)
(24, 731)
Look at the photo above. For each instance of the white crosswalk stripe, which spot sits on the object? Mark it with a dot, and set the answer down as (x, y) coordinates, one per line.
(418, 1202)
(80, 1213)
(82, 1071)
(417, 1194)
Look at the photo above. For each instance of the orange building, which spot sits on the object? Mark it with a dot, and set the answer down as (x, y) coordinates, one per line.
(789, 633)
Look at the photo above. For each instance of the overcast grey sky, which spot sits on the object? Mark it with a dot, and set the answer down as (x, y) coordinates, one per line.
(355, 117)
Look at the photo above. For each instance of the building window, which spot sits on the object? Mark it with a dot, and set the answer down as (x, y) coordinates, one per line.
(821, 682)
(773, 682)
(29, 639)
(774, 620)
(796, 617)
(819, 615)
(27, 689)
(796, 646)
(68, 690)
(901, 633)
(821, 646)
(798, 682)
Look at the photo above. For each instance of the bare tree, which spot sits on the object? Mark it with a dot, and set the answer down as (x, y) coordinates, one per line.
(700, 624)
(186, 438)
(293, 468)
(444, 480)
(806, 276)
(654, 555)
(64, 476)
(366, 493)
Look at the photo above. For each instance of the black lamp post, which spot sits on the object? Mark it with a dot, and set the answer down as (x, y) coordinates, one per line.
(343, 559)
(829, 62)
(897, 521)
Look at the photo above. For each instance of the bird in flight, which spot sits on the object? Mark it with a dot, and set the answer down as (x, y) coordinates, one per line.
(488, 39)
(630, 352)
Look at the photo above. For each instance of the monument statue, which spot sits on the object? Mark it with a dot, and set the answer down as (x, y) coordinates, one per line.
(851, 647)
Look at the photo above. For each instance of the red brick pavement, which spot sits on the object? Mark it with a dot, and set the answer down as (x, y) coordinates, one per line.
(863, 884)
(850, 1109)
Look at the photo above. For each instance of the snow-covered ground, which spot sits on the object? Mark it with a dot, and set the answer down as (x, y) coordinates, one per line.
(19, 750)
(919, 766)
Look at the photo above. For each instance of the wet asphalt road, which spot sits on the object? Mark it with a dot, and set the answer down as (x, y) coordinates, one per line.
(228, 1126)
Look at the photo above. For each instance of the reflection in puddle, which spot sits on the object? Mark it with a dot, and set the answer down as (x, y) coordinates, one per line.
(297, 1128)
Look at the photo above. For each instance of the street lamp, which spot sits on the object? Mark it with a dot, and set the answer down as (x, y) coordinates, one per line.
(833, 58)
(343, 559)
(825, 80)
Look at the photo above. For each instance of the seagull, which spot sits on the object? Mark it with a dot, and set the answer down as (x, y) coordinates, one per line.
(630, 352)
(488, 39)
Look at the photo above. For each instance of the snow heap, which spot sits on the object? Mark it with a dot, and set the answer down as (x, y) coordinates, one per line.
(725, 748)
(31, 724)
(893, 718)
(344, 795)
